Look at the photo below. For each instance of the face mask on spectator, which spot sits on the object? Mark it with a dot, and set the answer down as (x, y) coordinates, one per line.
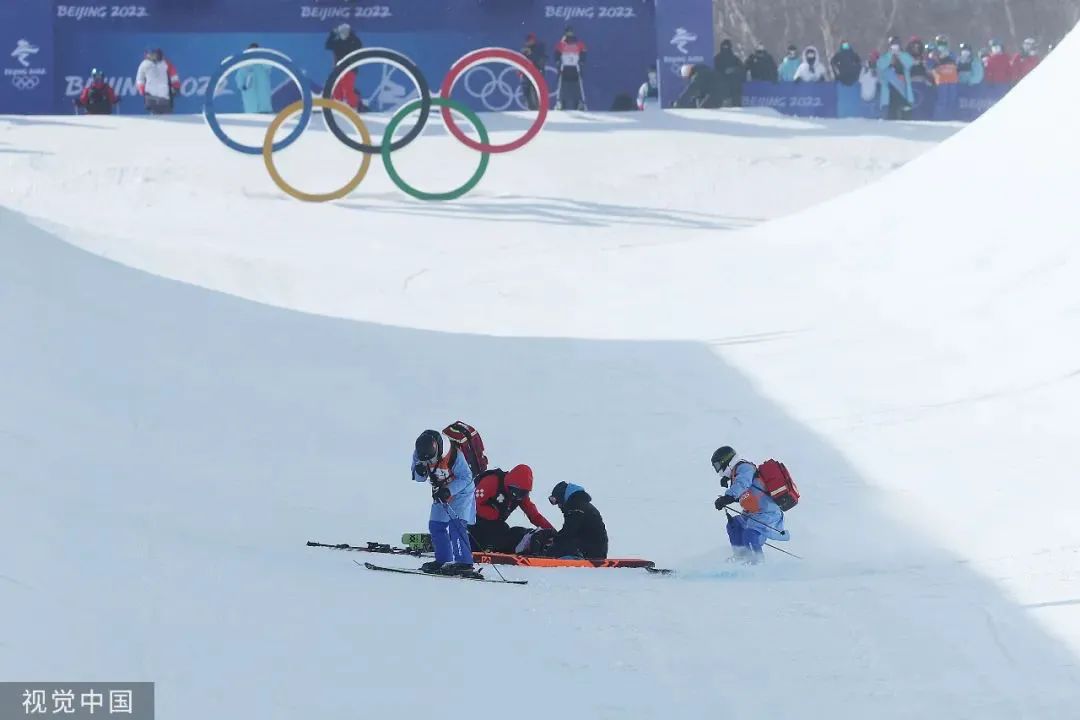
(996, 50)
(965, 55)
(810, 58)
(895, 47)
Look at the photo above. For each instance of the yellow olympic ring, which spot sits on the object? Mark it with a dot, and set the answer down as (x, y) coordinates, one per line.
(268, 150)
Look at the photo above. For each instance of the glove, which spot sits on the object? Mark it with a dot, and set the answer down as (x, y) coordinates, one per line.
(725, 482)
(420, 470)
(723, 501)
(440, 494)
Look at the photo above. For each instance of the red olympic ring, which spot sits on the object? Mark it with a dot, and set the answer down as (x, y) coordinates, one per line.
(521, 63)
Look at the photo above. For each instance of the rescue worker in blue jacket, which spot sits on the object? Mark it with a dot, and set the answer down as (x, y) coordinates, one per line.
(761, 519)
(453, 506)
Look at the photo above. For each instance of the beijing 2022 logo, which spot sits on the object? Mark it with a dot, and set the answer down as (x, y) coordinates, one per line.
(342, 70)
(26, 76)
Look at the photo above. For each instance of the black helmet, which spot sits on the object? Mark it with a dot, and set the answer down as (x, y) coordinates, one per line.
(96, 74)
(429, 446)
(558, 493)
(722, 458)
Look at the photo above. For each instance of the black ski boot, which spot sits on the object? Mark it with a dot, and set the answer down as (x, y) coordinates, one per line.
(434, 566)
(460, 570)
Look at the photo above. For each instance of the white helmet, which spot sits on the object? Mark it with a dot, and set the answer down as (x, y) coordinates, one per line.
(686, 70)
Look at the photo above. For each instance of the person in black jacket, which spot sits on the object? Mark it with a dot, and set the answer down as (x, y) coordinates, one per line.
(342, 41)
(702, 91)
(846, 65)
(730, 72)
(583, 532)
(761, 66)
(98, 97)
(537, 53)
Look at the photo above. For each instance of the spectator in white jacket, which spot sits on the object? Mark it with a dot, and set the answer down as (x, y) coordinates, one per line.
(812, 69)
(155, 82)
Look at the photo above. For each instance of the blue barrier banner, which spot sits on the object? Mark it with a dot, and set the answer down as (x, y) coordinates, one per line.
(925, 99)
(849, 102)
(49, 47)
(800, 99)
(26, 56)
(973, 100)
(684, 35)
(829, 100)
(196, 35)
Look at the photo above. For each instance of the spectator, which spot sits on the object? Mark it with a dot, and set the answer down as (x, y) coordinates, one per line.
(98, 97)
(944, 68)
(570, 61)
(761, 66)
(253, 81)
(998, 65)
(916, 48)
(537, 54)
(790, 65)
(934, 52)
(1025, 61)
(649, 93)
(155, 81)
(946, 76)
(846, 65)
(868, 78)
(730, 73)
(703, 89)
(342, 41)
(812, 69)
(894, 73)
(969, 68)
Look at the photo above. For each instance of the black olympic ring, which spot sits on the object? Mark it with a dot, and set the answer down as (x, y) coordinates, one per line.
(390, 57)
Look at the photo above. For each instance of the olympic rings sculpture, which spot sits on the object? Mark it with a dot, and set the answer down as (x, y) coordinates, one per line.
(387, 146)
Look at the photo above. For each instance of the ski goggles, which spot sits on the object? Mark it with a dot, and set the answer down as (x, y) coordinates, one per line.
(517, 493)
(553, 500)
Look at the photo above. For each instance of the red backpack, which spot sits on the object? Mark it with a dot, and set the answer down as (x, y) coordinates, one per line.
(777, 483)
(467, 440)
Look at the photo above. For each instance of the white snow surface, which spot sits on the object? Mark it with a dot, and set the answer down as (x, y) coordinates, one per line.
(198, 374)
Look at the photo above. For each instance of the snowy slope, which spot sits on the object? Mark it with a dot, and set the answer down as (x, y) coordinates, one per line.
(168, 449)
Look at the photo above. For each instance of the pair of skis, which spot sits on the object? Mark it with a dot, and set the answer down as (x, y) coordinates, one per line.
(371, 547)
(384, 549)
(488, 558)
(406, 571)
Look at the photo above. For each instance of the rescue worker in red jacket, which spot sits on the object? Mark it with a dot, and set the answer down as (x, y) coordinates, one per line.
(98, 97)
(498, 495)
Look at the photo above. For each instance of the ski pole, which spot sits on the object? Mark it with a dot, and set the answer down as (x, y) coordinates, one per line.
(782, 532)
(750, 517)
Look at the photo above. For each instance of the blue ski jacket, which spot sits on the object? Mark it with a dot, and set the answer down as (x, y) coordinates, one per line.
(462, 490)
(769, 513)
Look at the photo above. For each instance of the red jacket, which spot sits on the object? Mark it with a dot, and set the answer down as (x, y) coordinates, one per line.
(999, 69)
(98, 98)
(174, 77)
(1023, 64)
(494, 504)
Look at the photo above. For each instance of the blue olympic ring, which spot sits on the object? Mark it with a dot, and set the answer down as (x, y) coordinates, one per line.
(253, 57)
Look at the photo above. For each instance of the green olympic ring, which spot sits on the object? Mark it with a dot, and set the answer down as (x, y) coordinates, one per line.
(388, 137)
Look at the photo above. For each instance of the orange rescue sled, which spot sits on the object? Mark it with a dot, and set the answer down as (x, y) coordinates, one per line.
(493, 558)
